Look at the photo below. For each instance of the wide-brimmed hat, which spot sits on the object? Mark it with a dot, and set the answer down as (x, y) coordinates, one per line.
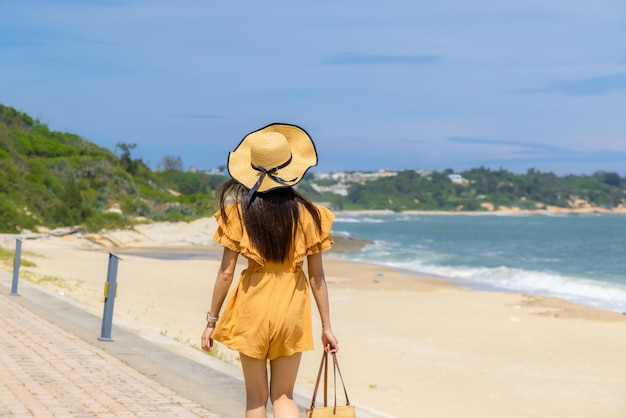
(277, 155)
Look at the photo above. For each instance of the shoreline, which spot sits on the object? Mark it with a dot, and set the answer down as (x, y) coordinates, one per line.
(212, 252)
(191, 240)
(571, 308)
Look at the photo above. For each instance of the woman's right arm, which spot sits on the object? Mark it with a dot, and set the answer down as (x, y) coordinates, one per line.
(220, 290)
(320, 293)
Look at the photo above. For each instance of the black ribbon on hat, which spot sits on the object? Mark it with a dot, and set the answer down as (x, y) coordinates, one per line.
(271, 172)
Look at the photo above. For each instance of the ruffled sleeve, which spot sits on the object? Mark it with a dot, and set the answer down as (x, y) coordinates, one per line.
(313, 241)
(229, 234)
(233, 235)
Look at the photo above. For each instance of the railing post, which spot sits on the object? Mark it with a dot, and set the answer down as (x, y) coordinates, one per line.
(110, 289)
(16, 266)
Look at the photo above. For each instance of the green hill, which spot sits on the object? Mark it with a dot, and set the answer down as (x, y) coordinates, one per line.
(53, 179)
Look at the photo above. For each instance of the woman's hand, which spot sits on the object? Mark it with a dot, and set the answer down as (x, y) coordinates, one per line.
(207, 341)
(331, 345)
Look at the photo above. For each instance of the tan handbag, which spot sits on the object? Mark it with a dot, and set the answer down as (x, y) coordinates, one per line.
(341, 411)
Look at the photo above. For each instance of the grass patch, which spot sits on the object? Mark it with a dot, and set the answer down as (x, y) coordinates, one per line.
(53, 281)
(7, 258)
(215, 353)
(27, 263)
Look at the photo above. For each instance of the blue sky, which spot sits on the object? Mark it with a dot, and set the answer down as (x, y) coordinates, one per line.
(397, 84)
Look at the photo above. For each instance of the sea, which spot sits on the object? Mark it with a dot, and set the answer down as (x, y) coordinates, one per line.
(581, 258)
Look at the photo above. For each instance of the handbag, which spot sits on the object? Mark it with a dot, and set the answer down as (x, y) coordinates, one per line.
(335, 411)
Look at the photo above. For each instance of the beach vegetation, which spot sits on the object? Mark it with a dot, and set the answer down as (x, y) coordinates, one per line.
(7, 259)
(25, 262)
(53, 281)
(6, 256)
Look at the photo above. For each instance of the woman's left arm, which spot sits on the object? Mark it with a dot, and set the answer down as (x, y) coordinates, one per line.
(317, 279)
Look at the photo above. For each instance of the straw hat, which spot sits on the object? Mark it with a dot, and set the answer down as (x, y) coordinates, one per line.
(277, 155)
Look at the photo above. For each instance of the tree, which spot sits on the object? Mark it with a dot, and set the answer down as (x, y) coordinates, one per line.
(611, 179)
(128, 164)
(171, 163)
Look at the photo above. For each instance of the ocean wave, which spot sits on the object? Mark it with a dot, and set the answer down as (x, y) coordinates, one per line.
(580, 290)
(358, 220)
(341, 233)
(576, 258)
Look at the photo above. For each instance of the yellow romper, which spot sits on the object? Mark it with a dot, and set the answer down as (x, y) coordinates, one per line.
(268, 314)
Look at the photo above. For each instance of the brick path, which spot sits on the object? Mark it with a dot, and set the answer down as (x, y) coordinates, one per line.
(47, 372)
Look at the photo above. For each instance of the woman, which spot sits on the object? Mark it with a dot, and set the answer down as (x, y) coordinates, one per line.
(268, 314)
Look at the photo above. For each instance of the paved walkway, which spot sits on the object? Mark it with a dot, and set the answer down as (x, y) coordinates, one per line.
(47, 372)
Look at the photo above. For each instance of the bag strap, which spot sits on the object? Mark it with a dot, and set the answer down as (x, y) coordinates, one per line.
(336, 369)
(319, 376)
(325, 379)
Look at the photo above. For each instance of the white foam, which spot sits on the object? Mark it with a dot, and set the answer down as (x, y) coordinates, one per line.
(590, 292)
(344, 234)
(600, 294)
(358, 220)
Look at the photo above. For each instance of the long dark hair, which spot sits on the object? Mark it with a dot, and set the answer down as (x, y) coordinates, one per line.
(270, 217)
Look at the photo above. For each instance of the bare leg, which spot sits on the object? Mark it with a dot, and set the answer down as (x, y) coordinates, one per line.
(283, 379)
(255, 377)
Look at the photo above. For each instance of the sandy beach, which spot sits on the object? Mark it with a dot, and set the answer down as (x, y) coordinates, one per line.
(410, 346)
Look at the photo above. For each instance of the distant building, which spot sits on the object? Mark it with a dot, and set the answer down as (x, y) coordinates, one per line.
(360, 176)
(339, 188)
(457, 179)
